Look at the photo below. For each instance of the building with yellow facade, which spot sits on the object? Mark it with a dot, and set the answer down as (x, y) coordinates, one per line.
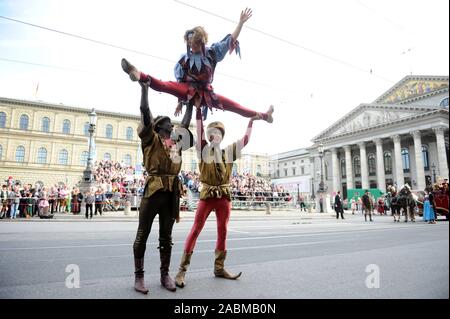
(48, 143)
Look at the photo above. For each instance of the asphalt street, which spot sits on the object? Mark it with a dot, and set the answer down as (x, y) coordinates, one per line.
(290, 255)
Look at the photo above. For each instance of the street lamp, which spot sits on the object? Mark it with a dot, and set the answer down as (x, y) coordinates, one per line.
(322, 198)
(87, 175)
(321, 152)
(433, 168)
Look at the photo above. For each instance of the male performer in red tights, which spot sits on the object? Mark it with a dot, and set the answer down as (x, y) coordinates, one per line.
(216, 167)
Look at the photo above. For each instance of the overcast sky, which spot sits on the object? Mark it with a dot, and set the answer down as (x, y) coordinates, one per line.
(313, 60)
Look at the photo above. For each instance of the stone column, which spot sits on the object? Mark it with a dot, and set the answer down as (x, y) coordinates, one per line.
(381, 177)
(335, 164)
(420, 172)
(348, 166)
(364, 170)
(399, 177)
(441, 152)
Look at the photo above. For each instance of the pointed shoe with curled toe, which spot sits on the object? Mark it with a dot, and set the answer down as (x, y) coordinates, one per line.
(219, 268)
(269, 114)
(131, 70)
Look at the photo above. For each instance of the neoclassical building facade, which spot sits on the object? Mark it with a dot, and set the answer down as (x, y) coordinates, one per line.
(402, 137)
(48, 143)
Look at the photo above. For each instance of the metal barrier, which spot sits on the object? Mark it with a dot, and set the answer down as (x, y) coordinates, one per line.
(239, 202)
(244, 202)
(261, 203)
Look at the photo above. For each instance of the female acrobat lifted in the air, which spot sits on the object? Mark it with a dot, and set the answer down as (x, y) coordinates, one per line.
(195, 72)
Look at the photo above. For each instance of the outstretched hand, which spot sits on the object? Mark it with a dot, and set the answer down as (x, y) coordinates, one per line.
(245, 15)
(179, 109)
(144, 85)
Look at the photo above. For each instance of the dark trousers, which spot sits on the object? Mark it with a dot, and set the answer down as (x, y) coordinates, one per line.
(52, 204)
(339, 211)
(88, 208)
(22, 207)
(302, 206)
(159, 203)
(4, 209)
(98, 208)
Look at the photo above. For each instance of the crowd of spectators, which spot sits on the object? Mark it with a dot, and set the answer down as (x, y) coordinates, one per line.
(115, 176)
(244, 187)
(118, 183)
(115, 183)
(27, 200)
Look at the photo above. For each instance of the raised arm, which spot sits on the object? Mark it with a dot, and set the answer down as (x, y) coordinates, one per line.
(186, 122)
(146, 114)
(245, 15)
(201, 141)
(145, 129)
(244, 141)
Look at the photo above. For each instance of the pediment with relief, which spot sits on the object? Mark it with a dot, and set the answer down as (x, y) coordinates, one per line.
(370, 118)
(413, 88)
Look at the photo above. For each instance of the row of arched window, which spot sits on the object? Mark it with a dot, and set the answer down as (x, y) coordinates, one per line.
(63, 156)
(387, 158)
(66, 127)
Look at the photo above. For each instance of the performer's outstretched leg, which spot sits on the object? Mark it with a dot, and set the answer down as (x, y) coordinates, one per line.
(203, 210)
(230, 105)
(180, 90)
(177, 89)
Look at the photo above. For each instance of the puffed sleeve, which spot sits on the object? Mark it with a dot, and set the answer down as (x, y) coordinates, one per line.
(226, 45)
(178, 70)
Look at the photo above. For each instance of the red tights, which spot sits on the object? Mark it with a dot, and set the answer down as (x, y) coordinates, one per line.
(180, 90)
(222, 206)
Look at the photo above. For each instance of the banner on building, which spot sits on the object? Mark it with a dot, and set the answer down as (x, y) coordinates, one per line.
(294, 184)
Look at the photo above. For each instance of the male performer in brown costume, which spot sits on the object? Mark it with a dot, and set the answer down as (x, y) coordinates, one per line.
(161, 146)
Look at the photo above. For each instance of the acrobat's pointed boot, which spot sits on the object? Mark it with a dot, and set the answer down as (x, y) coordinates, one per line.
(139, 283)
(166, 281)
(268, 115)
(219, 266)
(128, 68)
(185, 262)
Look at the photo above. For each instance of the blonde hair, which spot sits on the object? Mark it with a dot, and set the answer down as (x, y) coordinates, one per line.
(198, 35)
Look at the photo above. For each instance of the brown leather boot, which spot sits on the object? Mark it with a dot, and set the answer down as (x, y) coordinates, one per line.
(219, 267)
(131, 70)
(166, 281)
(139, 283)
(185, 262)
